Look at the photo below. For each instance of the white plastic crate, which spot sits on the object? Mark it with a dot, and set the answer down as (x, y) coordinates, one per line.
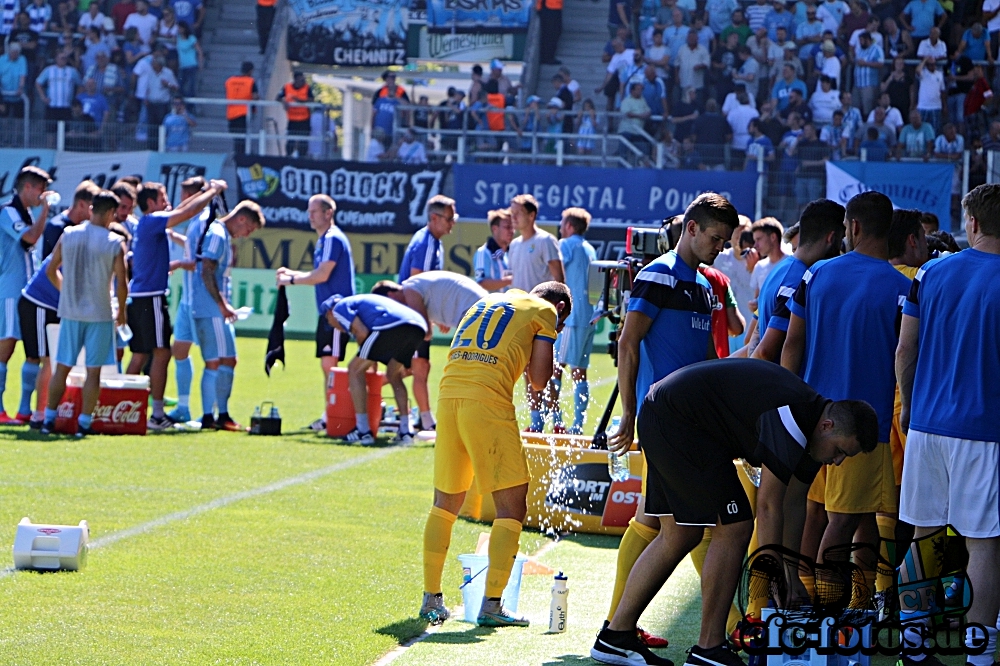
(51, 547)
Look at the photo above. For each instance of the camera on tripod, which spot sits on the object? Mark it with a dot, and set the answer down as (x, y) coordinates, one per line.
(611, 281)
(610, 286)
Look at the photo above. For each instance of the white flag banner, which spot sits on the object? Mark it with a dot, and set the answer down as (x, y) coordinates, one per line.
(840, 185)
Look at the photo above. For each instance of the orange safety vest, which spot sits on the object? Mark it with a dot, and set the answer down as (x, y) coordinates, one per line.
(548, 4)
(494, 118)
(238, 87)
(267, 3)
(398, 92)
(294, 112)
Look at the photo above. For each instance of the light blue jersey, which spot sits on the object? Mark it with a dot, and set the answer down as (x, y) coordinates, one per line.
(216, 247)
(16, 262)
(577, 254)
(194, 233)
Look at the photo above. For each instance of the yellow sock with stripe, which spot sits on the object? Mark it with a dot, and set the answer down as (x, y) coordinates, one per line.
(437, 538)
(634, 541)
(884, 572)
(504, 539)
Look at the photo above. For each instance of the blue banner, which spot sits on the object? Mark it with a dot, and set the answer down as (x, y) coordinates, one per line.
(478, 15)
(922, 186)
(356, 33)
(615, 197)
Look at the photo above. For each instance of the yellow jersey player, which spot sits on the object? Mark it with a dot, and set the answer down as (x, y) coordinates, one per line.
(478, 435)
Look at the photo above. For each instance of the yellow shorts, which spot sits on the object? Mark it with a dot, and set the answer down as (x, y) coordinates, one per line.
(862, 484)
(897, 441)
(817, 491)
(477, 439)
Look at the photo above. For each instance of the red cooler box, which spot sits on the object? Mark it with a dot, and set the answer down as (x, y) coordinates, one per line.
(340, 409)
(121, 406)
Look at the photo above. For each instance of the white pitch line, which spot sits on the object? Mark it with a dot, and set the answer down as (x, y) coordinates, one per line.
(221, 502)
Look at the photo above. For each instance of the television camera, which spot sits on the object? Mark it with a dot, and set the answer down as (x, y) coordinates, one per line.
(611, 284)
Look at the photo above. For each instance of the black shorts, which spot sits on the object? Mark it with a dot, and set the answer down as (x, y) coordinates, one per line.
(424, 350)
(149, 319)
(34, 318)
(398, 342)
(330, 341)
(689, 476)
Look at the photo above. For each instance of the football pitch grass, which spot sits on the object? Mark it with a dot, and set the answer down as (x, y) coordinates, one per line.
(221, 548)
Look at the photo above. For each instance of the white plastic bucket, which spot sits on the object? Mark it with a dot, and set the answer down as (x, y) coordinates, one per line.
(474, 584)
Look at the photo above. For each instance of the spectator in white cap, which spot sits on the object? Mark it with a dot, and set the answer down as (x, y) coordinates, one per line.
(496, 74)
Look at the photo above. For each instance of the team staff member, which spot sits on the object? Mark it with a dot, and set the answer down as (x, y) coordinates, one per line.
(692, 425)
(386, 332)
(240, 87)
(573, 346)
(89, 255)
(148, 308)
(294, 95)
(77, 213)
(500, 338)
(952, 456)
(842, 339)
(490, 267)
(442, 298)
(425, 253)
(534, 258)
(332, 273)
(213, 313)
(668, 326)
(184, 335)
(19, 234)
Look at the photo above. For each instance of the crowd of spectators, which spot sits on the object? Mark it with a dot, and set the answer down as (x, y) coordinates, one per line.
(99, 64)
(721, 84)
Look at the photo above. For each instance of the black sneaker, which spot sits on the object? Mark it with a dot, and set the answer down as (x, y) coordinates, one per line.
(159, 422)
(208, 422)
(82, 432)
(624, 647)
(717, 656)
(48, 427)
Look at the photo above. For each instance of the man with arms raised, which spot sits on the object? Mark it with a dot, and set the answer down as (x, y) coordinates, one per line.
(948, 404)
(691, 426)
(841, 339)
(668, 326)
(332, 273)
(498, 339)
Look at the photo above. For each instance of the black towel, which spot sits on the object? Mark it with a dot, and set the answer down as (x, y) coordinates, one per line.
(276, 338)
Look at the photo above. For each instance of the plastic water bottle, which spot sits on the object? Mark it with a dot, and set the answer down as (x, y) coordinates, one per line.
(242, 314)
(617, 464)
(558, 606)
(256, 412)
(124, 332)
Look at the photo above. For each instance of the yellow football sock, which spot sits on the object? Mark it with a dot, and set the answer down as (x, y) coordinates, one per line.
(884, 572)
(437, 538)
(504, 538)
(634, 541)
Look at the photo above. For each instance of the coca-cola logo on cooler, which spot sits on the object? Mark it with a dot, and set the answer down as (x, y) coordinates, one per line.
(125, 411)
(66, 410)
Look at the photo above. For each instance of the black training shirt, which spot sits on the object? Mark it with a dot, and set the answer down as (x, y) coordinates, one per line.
(749, 408)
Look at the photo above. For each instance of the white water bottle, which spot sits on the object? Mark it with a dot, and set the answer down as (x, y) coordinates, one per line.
(557, 609)
(617, 463)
